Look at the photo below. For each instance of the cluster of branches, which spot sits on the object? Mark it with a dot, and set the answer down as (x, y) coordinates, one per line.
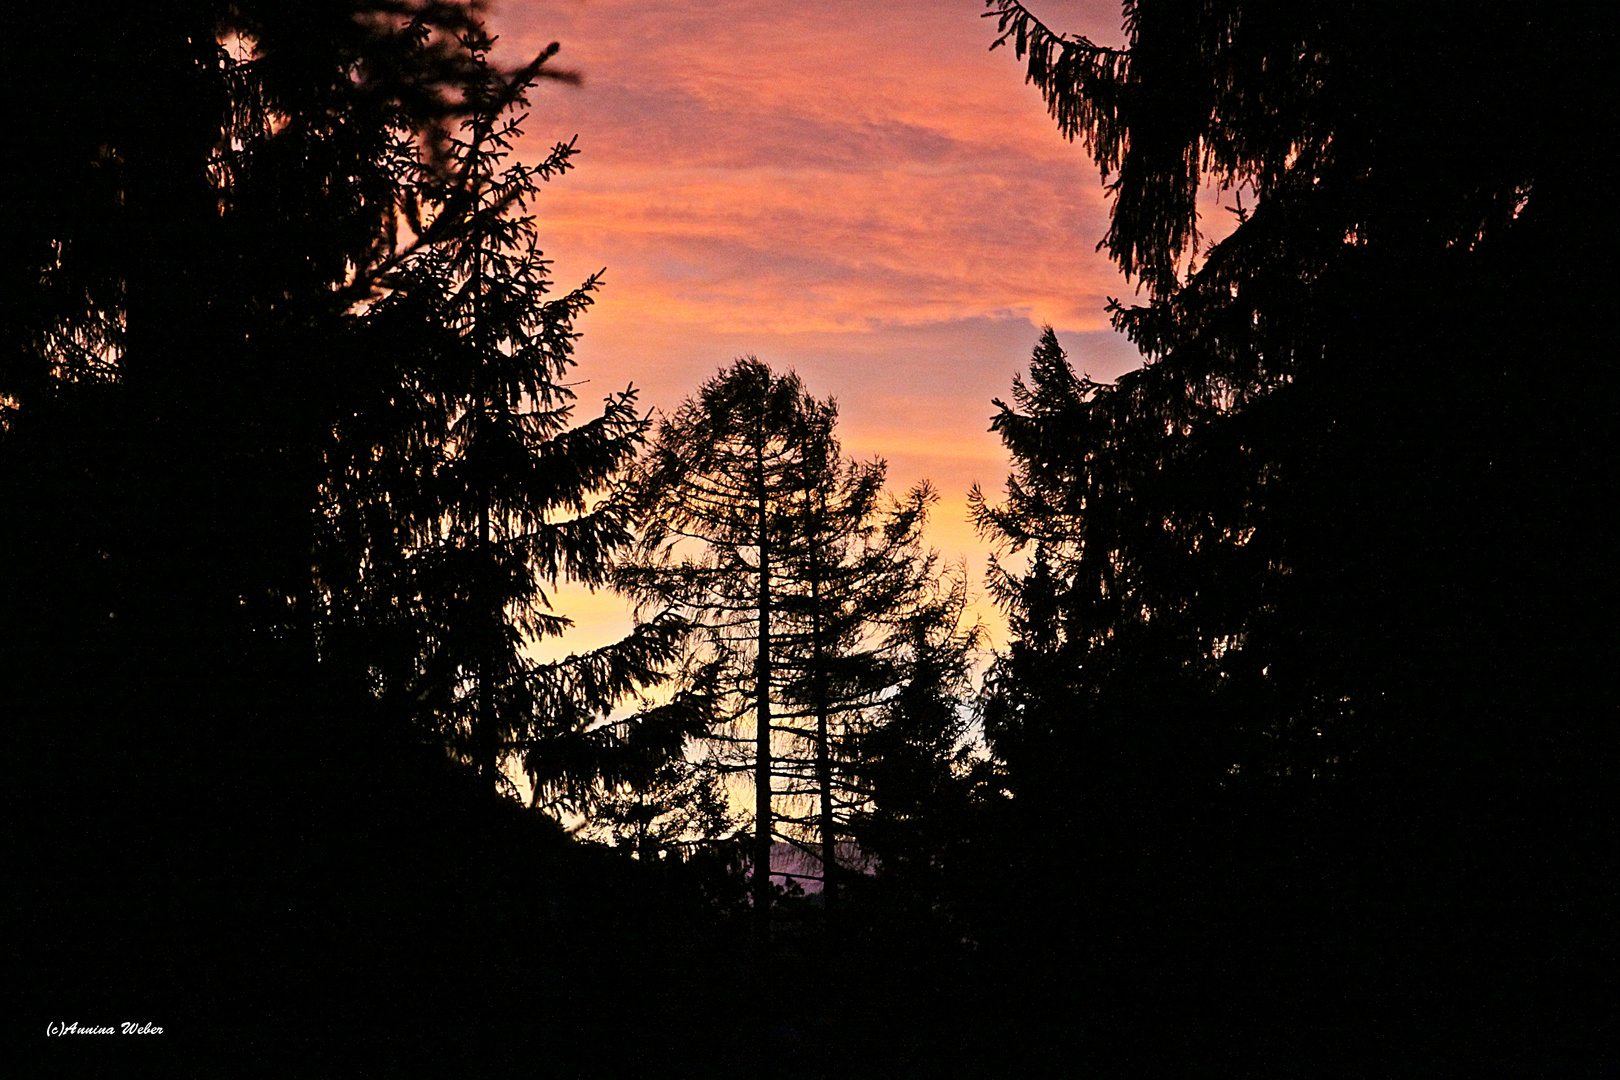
(294, 287)
(1265, 578)
(460, 488)
(813, 599)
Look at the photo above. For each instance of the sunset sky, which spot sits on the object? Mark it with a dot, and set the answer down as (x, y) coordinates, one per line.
(861, 192)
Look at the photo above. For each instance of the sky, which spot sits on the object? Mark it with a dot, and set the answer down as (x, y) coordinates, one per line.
(859, 191)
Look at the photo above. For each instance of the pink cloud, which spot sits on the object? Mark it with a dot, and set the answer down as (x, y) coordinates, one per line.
(793, 166)
(859, 191)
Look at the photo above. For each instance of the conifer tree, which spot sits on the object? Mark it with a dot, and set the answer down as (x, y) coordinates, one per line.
(924, 782)
(1269, 566)
(1244, 507)
(212, 190)
(304, 295)
(718, 488)
(798, 571)
(859, 572)
(462, 491)
(256, 426)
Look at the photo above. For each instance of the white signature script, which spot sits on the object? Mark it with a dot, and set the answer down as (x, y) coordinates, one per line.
(126, 1028)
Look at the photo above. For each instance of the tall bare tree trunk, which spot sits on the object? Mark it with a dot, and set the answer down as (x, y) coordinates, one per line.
(484, 731)
(829, 849)
(484, 741)
(762, 729)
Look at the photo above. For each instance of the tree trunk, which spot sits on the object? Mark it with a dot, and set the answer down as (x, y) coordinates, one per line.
(829, 849)
(762, 730)
(484, 741)
(484, 723)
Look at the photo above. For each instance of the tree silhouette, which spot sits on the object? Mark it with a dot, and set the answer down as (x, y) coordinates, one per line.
(1228, 489)
(223, 186)
(801, 576)
(682, 806)
(718, 486)
(1268, 568)
(273, 356)
(924, 787)
(857, 574)
(460, 492)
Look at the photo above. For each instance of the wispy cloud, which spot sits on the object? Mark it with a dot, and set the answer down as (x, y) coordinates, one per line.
(807, 166)
(859, 191)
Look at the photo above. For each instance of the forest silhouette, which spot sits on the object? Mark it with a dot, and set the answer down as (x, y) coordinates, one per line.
(1297, 761)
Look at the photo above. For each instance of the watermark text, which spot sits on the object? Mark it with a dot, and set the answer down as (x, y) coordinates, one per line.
(73, 1027)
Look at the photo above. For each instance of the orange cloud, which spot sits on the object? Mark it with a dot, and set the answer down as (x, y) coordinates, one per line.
(783, 167)
(861, 192)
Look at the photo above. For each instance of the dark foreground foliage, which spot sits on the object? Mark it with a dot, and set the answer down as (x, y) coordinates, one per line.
(1304, 680)
(267, 450)
(1302, 754)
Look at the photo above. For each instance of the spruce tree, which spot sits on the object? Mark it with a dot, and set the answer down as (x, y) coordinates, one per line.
(212, 189)
(718, 487)
(462, 491)
(799, 572)
(1287, 504)
(243, 478)
(858, 573)
(1270, 583)
(926, 788)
